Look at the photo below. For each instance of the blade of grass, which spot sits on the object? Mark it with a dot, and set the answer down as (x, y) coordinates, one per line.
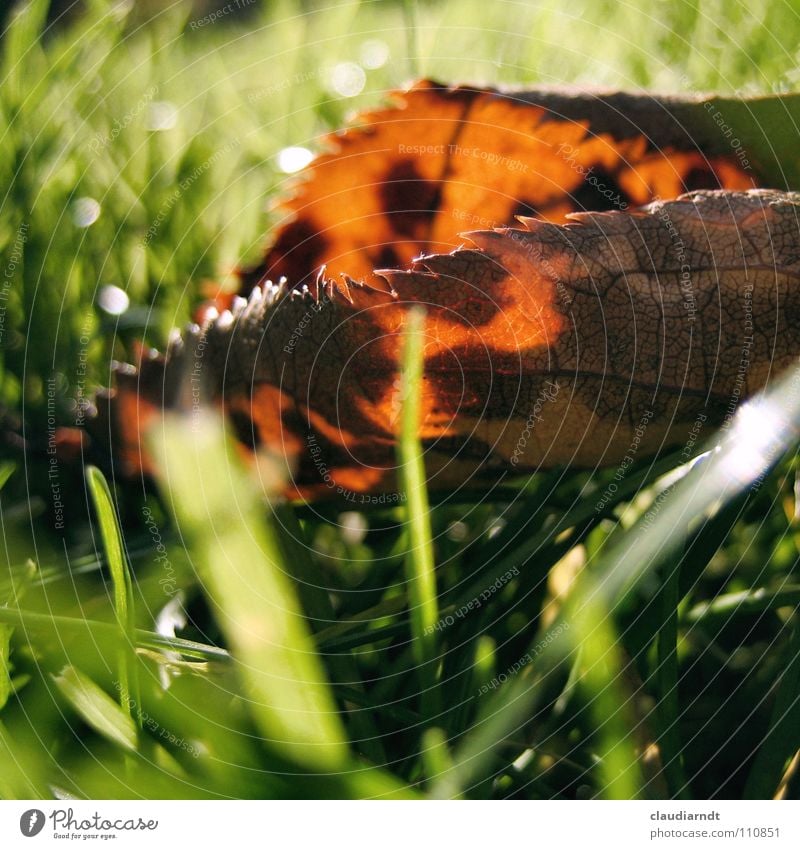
(388, 607)
(762, 432)
(373, 635)
(318, 605)
(437, 761)
(6, 685)
(17, 585)
(22, 769)
(6, 470)
(782, 741)
(238, 554)
(367, 703)
(97, 708)
(667, 672)
(123, 590)
(420, 568)
(106, 633)
(513, 547)
(746, 602)
(412, 44)
(20, 39)
(601, 680)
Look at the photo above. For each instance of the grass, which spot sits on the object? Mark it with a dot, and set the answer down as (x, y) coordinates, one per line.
(420, 575)
(520, 643)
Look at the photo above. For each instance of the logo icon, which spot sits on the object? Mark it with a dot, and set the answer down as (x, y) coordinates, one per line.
(31, 822)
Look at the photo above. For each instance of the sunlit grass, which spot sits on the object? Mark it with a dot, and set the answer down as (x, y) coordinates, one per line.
(209, 644)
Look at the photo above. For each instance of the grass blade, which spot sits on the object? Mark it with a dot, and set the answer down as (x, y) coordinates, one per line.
(420, 569)
(103, 633)
(602, 681)
(744, 603)
(782, 741)
(437, 762)
(97, 708)
(123, 589)
(667, 673)
(238, 553)
(6, 470)
(6, 687)
(762, 432)
(318, 606)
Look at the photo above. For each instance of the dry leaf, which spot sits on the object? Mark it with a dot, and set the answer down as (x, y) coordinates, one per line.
(570, 338)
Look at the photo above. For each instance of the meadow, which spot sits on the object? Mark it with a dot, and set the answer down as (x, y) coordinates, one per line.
(566, 635)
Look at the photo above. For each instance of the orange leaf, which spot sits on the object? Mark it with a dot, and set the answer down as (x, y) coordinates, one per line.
(574, 337)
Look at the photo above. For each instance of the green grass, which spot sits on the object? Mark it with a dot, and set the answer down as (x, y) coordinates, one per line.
(206, 644)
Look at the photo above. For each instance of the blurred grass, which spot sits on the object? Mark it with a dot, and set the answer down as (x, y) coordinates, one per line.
(275, 645)
(239, 557)
(419, 561)
(122, 585)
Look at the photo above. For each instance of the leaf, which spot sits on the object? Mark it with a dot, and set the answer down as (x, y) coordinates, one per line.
(576, 339)
(552, 345)
(441, 160)
(21, 771)
(764, 127)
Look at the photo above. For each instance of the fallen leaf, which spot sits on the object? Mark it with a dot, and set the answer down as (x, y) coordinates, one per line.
(554, 335)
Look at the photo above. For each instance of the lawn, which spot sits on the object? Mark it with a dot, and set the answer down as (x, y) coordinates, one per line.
(567, 635)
